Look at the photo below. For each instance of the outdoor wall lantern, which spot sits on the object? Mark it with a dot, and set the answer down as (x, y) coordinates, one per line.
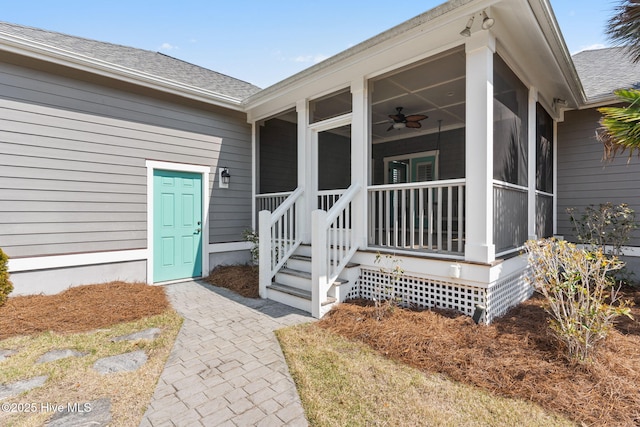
(225, 177)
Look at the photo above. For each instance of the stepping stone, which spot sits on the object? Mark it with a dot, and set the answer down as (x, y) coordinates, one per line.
(5, 354)
(95, 413)
(121, 363)
(147, 334)
(54, 355)
(14, 389)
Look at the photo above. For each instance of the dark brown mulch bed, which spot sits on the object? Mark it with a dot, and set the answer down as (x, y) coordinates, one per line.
(242, 279)
(515, 357)
(82, 308)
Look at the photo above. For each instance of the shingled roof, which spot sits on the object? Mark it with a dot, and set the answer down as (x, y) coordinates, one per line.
(602, 71)
(146, 61)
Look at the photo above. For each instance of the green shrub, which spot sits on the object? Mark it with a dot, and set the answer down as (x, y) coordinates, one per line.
(251, 236)
(608, 228)
(583, 302)
(604, 225)
(5, 284)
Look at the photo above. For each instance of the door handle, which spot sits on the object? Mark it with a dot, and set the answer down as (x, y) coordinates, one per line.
(198, 230)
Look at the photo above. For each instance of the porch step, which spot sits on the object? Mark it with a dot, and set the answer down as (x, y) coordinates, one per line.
(296, 292)
(299, 293)
(304, 258)
(306, 275)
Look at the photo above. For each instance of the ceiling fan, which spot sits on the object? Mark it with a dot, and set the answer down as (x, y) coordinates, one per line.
(401, 121)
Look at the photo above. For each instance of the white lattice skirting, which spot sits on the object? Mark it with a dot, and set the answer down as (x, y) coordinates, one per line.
(507, 293)
(420, 292)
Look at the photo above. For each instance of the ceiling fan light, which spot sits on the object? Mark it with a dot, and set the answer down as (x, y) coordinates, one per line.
(400, 125)
(486, 21)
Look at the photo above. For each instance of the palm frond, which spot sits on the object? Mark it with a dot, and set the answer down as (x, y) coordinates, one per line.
(624, 27)
(620, 129)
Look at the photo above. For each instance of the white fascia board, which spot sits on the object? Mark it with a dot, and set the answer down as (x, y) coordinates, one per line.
(35, 50)
(548, 23)
(436, 18)
(601, 101)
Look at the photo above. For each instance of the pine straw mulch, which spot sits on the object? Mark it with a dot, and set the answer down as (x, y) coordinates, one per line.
(242, 279)
(515, 356)
(82, 308)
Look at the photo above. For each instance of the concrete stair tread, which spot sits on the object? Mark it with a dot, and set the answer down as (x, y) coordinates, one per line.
(307, 275)
(308, 258)
(299, 273)
(300, 293)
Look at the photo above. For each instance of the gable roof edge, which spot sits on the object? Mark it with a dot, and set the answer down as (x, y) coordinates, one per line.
(43, 52)
(542, 10)
(359, 48)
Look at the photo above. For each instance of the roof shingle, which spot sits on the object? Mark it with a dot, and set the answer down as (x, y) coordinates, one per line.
(146, 61)
(602, 71)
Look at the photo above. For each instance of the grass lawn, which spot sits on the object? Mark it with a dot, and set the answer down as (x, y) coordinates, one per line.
(343, 383)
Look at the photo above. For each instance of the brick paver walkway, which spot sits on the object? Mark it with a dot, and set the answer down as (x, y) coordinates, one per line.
(226, 367)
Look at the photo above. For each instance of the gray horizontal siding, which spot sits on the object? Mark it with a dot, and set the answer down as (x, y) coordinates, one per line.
(72, 162)
(584, 179)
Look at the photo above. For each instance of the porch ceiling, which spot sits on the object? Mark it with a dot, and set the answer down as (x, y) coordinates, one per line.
(435, 88)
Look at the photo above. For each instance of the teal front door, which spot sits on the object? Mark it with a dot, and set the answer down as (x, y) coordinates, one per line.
(177, 225)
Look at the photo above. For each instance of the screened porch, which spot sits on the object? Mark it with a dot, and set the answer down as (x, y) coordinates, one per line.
(415, 157)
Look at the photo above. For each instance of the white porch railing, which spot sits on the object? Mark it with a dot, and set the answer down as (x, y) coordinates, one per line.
(422, 216)
(327, 198)
(333, 244)
(279, 236)
(510, 216)
(271, 201)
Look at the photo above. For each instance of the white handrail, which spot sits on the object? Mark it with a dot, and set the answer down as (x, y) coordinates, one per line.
(284, 206)
(342, 203)
(424, 184)
(279, 236)
(276, 194)
(271, 201)
(333, 244)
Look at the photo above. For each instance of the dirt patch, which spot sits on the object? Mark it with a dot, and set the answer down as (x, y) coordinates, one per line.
(242, 279)
(514, 357)
(82, 308)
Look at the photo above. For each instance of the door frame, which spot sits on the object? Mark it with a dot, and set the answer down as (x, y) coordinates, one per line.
(315, 129)
(412, 157)
(204, 171)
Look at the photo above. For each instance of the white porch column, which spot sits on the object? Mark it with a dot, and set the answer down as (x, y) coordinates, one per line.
(555, 174)
(531, 144)
(304, 171)
(360, 159)
(479, 245)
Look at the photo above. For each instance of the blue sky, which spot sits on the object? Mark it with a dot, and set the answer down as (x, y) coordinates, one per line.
(256, 40)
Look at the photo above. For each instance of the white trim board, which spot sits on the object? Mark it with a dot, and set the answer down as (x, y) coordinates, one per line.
(75, 260)
(179, 167)
(215, 248)
(46, 262)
